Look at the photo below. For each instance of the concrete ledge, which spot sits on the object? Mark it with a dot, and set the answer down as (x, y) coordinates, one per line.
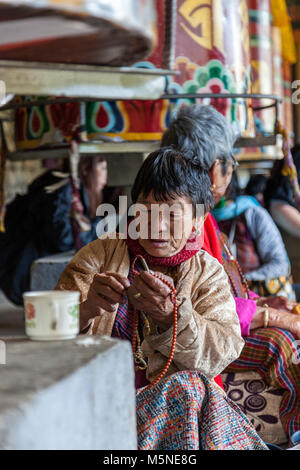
(76, 394)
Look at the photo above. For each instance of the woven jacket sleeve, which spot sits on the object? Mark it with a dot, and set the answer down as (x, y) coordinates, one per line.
(209, 334)
(78, 274)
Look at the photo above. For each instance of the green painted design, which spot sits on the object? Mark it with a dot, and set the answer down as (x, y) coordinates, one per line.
(30, 324)
(260, 41)
(260, 16)
(74, 311)
(214, 77)
(38, 122)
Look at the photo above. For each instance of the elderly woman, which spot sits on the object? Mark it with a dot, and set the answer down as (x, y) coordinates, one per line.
(259, 247)
(269, 332)
(186, 409)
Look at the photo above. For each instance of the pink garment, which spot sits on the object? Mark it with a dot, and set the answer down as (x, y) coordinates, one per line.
(246, 308)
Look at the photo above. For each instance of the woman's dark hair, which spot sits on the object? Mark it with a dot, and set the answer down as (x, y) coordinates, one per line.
(169, 173)
(256, 184)
(234, 189)
(279, 185)
(87, 165)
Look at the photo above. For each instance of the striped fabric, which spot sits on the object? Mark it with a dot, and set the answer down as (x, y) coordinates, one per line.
(123, 326)
(270, 352)
(186, 411)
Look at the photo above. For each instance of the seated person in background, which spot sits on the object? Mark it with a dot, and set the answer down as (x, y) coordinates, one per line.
(256, 187)
(280, 197)
(38, 223)
(255, 242)
(186, 409)
(280, 201)
(269, 333)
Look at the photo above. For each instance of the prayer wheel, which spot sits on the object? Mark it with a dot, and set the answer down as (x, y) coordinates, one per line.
(208, 44)
(261, 53)
(261, 59)
(76, 31)
(278, 88)
(212, 55)
(287, 99)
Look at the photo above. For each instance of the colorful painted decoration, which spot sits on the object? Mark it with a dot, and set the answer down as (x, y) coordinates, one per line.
(261, 59)
(211, 52)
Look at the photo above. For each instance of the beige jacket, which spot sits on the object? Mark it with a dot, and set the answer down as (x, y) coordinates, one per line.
(209, 335)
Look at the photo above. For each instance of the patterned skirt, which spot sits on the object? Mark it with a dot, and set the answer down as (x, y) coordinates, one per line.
(187, 411)
(272, 352)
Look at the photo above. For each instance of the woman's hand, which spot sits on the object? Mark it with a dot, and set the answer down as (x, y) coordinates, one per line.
(295, 326)
(106, 291)
(277, 319)
(279, 303)
(155, 299)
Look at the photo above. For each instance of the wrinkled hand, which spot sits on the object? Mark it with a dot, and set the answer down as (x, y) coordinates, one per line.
(106, 291)
(279, 303)
(277, 319)
(155, 299)
(295, 326)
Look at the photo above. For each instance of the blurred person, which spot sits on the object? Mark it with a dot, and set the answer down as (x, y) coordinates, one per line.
(186, 287)
(280, 201)
(39, 223)
(256, 187)
(268, 324)
(256, 243)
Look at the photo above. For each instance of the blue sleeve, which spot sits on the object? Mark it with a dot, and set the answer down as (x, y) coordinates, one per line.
(270, 247)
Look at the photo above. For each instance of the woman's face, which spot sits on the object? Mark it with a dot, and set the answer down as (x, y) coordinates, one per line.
(220, 182)
(100, 174)
(164, 226)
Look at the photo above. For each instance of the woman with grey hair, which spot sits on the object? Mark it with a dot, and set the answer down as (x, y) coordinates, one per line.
(268, 325)
(142, 289)
(206, 136)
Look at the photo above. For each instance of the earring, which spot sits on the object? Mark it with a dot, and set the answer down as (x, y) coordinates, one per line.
(213, 187)
(196, 232)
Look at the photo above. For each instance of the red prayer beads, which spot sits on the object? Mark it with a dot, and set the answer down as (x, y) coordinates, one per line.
(136, 322)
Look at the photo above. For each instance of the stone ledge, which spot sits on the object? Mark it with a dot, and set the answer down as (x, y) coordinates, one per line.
(76, 394)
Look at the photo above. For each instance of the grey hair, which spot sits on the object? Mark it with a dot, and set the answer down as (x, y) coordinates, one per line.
(202, 133)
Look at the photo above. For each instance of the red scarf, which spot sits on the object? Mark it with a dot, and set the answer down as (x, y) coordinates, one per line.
(191, 249)
(210, 245)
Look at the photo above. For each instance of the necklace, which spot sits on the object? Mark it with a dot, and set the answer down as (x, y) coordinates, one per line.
(136, 341)
(236, 263)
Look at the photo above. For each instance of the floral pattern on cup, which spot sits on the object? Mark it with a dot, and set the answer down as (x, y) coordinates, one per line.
(30, 315)
(30, 311)
(73, 310)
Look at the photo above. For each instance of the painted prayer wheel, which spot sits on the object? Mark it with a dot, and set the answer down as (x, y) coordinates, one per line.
(208, 43)
(76, 31)
(261, 59)
(260, 30)
(212, 54)
(277, 75)
(287, 99)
